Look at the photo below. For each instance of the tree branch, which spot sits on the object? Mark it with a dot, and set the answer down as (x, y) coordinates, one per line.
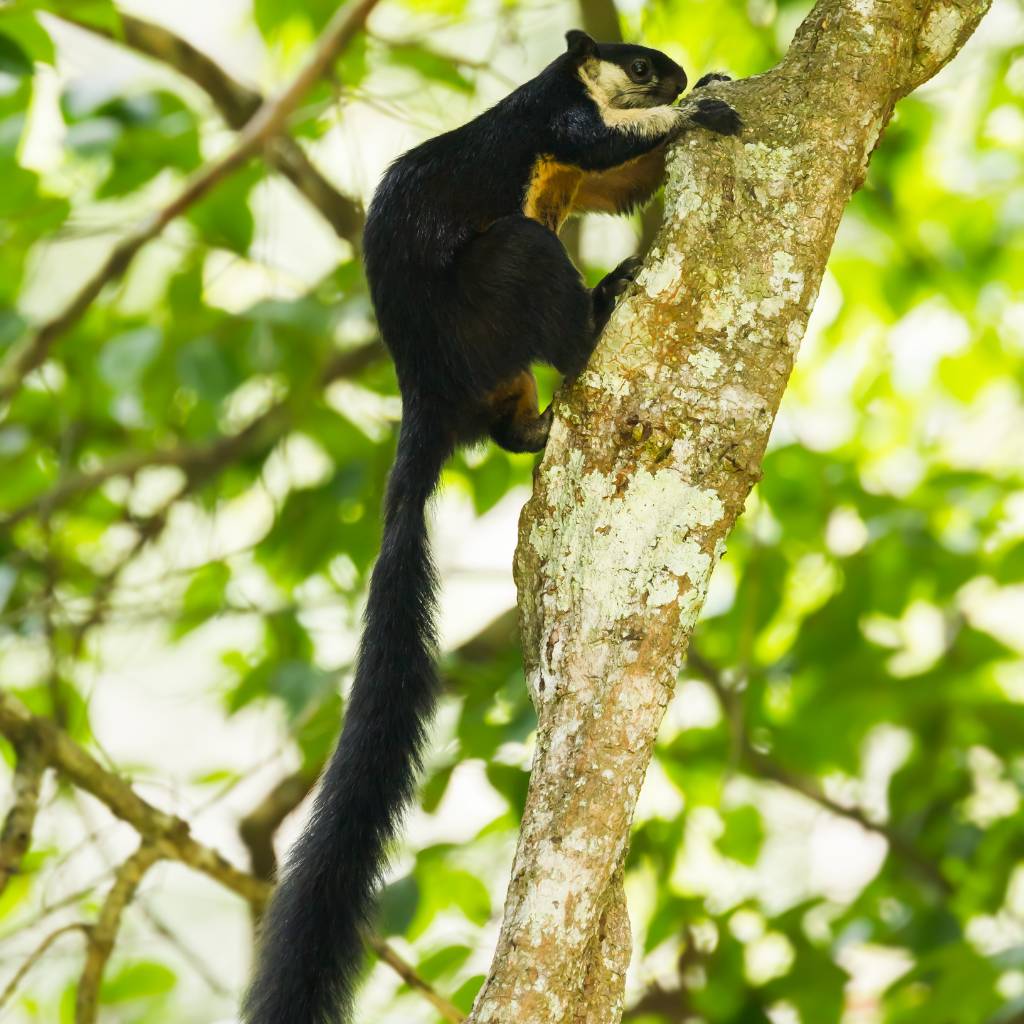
(948, 24)
(601, 20)
(765, 767)
(36, 955)
(449, 1011)
(167, 833)
(208, 458)
(260, 825)
(162, 836)
(103, 934)
(237, 103)
(261, 128)
(651, 455)
(16, 835)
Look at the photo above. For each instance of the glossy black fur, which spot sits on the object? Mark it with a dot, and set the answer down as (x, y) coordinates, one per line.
(469, 293)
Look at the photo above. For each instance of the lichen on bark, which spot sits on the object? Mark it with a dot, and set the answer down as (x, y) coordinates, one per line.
(652, 454)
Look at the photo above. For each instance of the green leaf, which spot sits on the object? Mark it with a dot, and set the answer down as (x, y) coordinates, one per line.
(431, 66)
(296, 683)
(318, 732)
(23, 31)
(15, 64)
(397, 906)
(743, 835)
(223, 217)
(139, 136)
(125, 357)
(443, 886)
(353, 65)
(511, 782)
(143, 979)
(204, 597)
(100, 13)
(272, 15)
(467, 992)
(433, 790)
(443, 962)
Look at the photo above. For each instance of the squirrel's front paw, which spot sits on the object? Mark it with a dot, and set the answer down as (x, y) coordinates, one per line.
(712, 76)
(717, 116)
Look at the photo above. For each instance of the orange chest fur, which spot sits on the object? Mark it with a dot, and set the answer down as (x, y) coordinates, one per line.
(557, 190)
(551, 192)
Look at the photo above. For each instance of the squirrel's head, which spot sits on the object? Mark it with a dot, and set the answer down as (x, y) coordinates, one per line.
(622, 75)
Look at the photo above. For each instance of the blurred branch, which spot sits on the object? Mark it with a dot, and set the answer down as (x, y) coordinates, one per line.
(95, 836)
(103, 933)
(667, 1005)
(238, 103)
(205, 457)
(36, 955)
(201, 464)
(483, 647)
(16, 835)
(601, 20)
(168, 833)
(163, 836)
(449, 1011)
(770, 769)
(186, 952)
(263, 127)
(765, 767)
(201, 460)
(671, 1005)
(259, 826)
(414, 43)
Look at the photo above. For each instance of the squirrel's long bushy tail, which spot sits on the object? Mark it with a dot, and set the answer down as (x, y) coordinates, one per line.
(310, 949)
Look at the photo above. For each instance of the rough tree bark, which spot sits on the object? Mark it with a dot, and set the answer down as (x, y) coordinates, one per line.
(650, 459)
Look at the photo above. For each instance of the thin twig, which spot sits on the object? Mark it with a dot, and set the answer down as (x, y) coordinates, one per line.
(237, 103)
(35, 956)
(408, 974)
(261, 128)
(146, 530)
(189, 955)
(96, 838)
(103, 933)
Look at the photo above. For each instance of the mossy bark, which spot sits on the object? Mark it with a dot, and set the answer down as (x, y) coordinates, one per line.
(652, 454)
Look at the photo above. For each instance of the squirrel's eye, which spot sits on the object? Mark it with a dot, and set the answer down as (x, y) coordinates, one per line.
(640, 69)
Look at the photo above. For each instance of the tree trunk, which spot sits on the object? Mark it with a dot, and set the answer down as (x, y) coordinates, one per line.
(651, 457)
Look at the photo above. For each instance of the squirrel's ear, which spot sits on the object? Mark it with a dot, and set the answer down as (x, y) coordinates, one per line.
(580, 45)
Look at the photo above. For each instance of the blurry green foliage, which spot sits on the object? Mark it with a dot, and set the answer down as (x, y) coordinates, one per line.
(852, 619)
